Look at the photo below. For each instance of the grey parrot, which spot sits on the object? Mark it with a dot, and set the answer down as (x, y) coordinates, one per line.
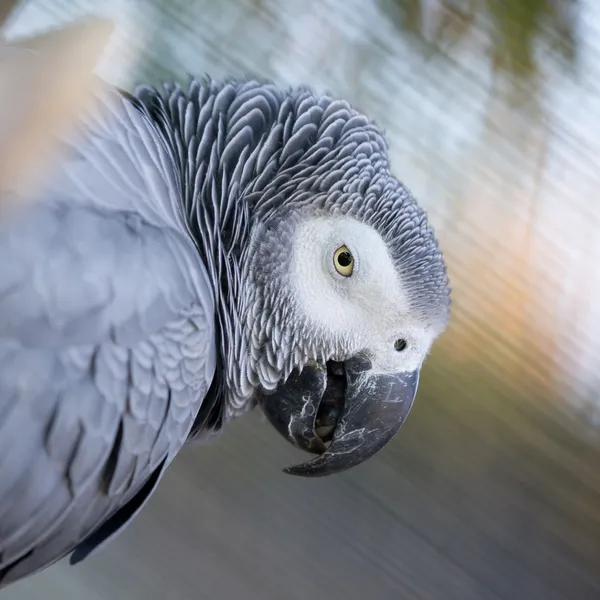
(199, 250)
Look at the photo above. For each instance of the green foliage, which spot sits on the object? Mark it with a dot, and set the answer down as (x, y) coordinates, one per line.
(517, 28)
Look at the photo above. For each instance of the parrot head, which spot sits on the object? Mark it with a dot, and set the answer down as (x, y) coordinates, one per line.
(349, 308)
(331, 284)
(349, 292)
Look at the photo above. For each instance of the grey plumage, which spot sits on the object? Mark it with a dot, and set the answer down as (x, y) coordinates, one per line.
(142, 295)
(283, 152)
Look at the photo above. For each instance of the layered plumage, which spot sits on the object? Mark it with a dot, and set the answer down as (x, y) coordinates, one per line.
(145, 292)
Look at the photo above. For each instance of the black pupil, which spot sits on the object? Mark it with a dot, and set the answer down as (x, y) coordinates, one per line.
(399, 345)
(344, 259)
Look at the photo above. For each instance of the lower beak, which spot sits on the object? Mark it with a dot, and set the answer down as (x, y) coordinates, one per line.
(375, 407)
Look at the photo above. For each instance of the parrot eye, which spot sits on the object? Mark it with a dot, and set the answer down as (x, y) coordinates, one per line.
(343, 261)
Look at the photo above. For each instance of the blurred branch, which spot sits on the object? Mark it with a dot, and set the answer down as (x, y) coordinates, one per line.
(6, 9)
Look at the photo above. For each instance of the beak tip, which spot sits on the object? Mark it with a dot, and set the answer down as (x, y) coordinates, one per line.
(303, 471)
(298, 470)
(292, 471)
(321, 466)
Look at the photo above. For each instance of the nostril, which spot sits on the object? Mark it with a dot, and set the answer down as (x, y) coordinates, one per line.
(400, 345)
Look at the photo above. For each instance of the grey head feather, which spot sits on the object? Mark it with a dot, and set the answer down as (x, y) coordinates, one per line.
(253, 158)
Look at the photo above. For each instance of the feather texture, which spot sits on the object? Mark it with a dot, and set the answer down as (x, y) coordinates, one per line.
(143, 296)
(255, 158)
(106, 340)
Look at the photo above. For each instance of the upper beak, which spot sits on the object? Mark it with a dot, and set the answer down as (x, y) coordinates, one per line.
(375, 407)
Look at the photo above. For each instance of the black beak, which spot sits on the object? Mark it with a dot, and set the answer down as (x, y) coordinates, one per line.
(371, 411)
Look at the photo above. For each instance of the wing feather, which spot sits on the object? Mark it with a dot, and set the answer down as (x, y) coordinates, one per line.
(106, 343)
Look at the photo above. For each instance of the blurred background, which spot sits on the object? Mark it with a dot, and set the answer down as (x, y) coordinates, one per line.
(492, 490)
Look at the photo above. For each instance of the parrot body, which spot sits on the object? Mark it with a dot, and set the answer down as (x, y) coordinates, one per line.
(107, 346)
(145, 299)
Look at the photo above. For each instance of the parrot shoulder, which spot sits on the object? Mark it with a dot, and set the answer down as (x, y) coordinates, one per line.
(107, 350)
